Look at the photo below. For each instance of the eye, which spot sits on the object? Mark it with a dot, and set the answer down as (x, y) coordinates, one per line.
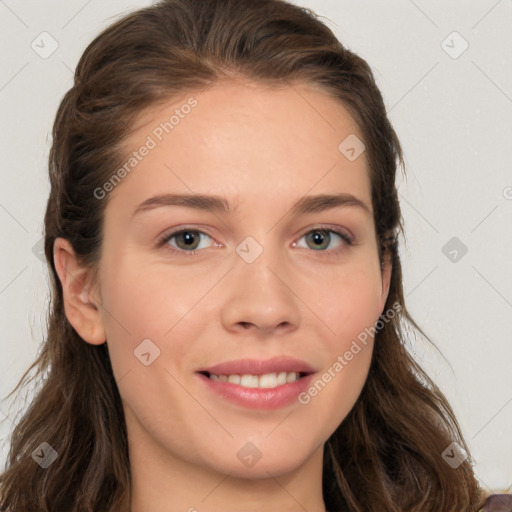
(188, 241)
(320, 238)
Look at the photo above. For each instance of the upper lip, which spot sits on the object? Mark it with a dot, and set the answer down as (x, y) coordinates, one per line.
(260, 366)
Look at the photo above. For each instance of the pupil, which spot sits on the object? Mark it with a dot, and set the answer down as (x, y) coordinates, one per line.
(188, 238)
(319, 237)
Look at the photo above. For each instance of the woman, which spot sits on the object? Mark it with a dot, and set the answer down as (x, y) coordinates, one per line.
(228, 323)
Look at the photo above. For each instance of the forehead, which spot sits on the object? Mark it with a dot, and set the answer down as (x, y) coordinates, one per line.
(241, 91)
(245, 137)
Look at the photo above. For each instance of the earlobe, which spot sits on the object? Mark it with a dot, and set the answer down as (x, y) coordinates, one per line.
(81, 307)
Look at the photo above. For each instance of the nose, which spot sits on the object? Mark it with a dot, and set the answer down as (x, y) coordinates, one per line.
(260, 297)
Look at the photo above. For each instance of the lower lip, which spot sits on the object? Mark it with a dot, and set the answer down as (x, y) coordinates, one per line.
(258, 398)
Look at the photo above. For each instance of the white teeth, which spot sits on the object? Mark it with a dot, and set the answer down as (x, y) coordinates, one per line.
(249, 381)
(268, 380)
(290, 377)
(281, 378)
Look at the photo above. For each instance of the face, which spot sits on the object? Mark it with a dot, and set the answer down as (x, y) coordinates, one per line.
(265, 273)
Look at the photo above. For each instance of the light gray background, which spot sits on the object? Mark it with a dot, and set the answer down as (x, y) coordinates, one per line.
(453, 118)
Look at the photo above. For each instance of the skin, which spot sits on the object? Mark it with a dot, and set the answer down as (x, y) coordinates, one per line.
(262, 149)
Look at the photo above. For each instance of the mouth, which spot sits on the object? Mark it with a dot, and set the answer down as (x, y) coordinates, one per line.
(259, 373)
(263, 381)
(256, 385)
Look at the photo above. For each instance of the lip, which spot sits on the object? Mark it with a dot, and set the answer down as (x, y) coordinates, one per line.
(257, 398)
(260, 366)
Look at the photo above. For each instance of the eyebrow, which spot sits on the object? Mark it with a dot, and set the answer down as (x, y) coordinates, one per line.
(307, 204)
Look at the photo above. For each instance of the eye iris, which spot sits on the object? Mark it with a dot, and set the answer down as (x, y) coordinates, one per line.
(319, 237)
(188, 236)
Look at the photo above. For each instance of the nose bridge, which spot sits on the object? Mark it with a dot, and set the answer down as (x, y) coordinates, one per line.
(260, 294)
(259, 267)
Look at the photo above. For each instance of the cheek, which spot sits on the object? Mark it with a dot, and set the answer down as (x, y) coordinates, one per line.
(351, 314)
(148, 297)
(149, 302)
(346, 300)
(333, 394)
(350, 307)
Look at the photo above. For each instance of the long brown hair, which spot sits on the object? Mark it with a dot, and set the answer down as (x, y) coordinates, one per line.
(387, 454)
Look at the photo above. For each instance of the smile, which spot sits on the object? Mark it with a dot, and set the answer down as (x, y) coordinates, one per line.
(265, 381)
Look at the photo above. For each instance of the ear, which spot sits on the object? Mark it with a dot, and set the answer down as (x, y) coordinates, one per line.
(81, 306)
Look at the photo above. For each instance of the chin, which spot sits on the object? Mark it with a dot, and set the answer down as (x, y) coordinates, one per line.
(250, 462)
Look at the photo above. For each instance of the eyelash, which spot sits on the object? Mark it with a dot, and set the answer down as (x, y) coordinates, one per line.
(347, 241)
